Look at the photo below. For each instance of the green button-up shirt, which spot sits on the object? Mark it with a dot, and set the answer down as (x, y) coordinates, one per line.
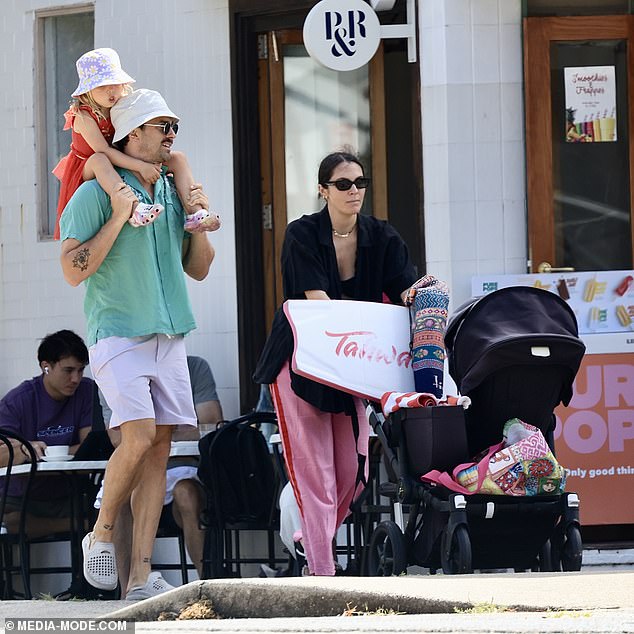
(139, 289)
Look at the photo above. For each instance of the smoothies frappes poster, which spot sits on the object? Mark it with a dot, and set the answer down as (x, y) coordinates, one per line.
(590, 93)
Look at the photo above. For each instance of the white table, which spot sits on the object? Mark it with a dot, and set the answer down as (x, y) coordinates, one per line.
(179, 448)
(184, 448)
(61, 466)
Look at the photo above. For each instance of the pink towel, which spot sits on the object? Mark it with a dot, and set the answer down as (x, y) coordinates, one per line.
(392, 401)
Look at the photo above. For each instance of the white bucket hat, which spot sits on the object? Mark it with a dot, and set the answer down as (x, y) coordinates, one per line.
(135, 109)
(100, 67)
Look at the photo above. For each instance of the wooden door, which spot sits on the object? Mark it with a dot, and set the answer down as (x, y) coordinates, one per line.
(580, 194)
(305, 112)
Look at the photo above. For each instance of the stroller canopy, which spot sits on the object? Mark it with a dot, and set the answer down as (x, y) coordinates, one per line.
(514, 326)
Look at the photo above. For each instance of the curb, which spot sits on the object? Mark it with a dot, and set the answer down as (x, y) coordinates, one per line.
(246, 600)
(332, 596)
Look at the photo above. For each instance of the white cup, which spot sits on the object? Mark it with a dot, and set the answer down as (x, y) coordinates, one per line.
(56, 451)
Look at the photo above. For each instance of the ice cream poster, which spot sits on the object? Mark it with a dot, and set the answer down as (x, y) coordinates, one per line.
(590, 93)
(603, 301)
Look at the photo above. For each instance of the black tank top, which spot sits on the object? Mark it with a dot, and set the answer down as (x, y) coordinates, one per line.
(347, 288)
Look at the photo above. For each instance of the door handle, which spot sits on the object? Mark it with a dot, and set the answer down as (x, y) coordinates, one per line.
(546, 267)
(276, 54)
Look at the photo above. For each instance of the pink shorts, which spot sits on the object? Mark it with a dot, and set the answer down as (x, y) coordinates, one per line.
(144, 377)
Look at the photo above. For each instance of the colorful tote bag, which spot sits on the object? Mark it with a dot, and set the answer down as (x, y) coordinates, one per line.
(521, 465)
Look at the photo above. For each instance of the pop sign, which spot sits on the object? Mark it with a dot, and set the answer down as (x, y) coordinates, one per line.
(342, 34)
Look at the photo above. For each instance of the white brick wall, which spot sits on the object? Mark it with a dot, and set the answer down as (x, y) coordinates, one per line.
(179, 48)
(473, 145)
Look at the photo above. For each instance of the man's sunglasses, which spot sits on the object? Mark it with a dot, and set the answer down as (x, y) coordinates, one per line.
(344, 184)
(167, 126)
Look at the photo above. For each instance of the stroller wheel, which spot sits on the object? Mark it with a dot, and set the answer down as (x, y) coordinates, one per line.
(387, 552)
(572, 550)
(455, 555)
(567, 549)
(544, 559)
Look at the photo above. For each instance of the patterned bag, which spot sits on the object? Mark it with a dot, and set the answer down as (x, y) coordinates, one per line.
(521, 465)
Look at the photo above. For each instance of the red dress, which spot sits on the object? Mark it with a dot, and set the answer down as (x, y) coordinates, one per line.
(69, 170)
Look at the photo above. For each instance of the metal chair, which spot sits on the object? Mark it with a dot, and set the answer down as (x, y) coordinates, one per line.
(21, 541)
(8, 541)
(222, 555)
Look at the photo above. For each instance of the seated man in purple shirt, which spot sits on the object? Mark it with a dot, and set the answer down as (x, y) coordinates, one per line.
(54, 408)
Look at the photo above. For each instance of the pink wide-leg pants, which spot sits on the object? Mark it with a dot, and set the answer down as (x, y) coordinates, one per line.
(321, 458)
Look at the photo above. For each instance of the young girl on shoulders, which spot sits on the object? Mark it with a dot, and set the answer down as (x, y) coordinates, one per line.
(102, 82)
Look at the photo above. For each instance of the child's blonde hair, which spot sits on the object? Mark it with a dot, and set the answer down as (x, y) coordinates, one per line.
(86, 99)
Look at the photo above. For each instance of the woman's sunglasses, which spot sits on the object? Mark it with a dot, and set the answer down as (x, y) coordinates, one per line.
(166, 127)
(344, 184)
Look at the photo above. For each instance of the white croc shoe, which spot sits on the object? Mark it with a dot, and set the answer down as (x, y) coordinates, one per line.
(154, 585)
(100, 564)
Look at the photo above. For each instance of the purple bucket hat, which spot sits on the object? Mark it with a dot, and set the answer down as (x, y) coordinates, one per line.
(100, 67)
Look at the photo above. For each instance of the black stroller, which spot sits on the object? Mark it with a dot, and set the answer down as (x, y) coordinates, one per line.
(515, 353)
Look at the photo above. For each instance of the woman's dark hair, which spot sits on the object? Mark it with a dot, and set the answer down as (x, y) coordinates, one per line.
(328, 164)
(62, 344)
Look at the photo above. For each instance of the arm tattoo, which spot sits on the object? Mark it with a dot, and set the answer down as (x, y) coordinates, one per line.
(80, 261)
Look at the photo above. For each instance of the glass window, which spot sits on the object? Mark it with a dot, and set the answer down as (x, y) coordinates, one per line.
(61, 39)
(591, 178)
(325, 110)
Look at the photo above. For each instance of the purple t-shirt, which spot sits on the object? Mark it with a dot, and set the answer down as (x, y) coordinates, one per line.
(29, 411)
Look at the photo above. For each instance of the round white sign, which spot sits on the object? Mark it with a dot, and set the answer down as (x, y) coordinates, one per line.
(342, 34)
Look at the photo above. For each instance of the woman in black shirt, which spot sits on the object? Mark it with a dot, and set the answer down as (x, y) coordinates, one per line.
(336, 253)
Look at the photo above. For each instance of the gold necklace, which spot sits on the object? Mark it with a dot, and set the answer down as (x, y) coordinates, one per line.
(343, 235)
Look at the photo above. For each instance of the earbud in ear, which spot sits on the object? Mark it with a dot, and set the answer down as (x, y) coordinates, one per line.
(46, 370)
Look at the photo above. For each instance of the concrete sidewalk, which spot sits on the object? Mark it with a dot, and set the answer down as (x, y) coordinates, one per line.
(290, 598)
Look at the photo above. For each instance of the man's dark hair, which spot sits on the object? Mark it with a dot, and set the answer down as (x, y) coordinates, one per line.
(120, 145)
(60, 345)
(328, 164)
